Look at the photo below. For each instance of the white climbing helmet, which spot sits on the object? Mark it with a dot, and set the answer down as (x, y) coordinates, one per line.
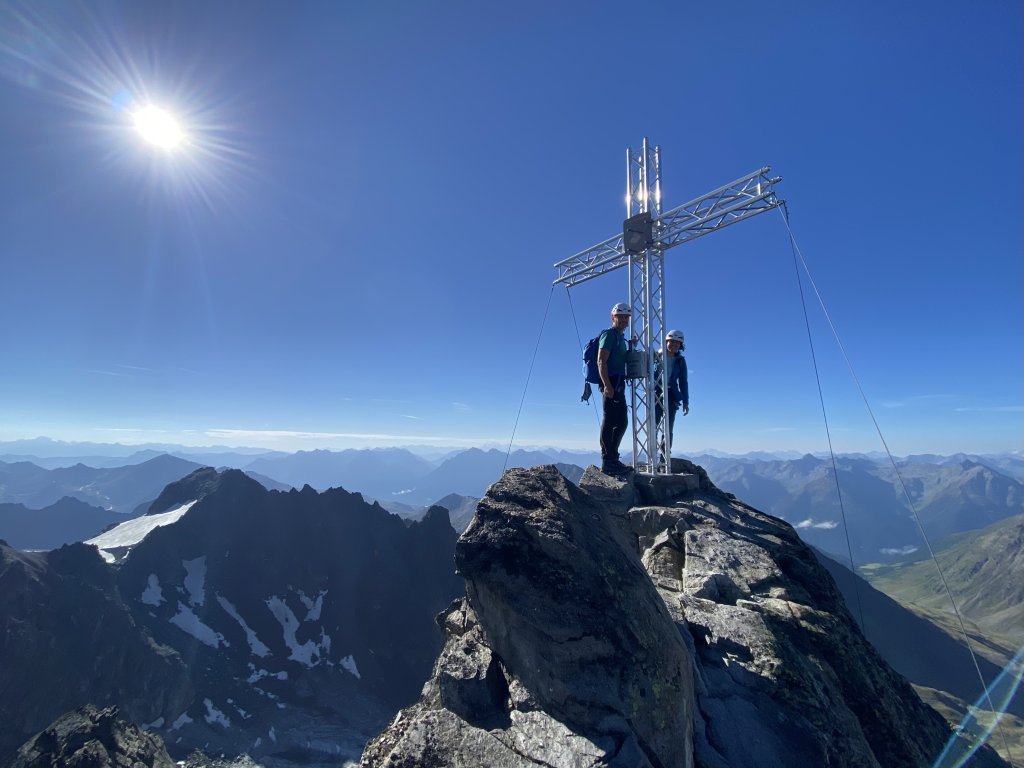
(621, 309)
(674, 336)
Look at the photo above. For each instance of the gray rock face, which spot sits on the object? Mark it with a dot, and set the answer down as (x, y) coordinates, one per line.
(93, 738)
(651, 624)
(561, 654)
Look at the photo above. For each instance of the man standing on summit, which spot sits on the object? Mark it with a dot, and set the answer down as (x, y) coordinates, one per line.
(611, 365)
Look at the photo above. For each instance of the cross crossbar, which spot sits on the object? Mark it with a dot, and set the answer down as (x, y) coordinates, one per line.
(746, 197)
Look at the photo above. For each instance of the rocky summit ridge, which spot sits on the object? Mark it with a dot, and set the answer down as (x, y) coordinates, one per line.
(651, 624)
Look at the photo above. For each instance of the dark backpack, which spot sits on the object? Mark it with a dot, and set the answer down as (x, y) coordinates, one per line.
(590, 372)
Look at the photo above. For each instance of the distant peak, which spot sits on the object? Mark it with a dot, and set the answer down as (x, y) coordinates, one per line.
(201, 483)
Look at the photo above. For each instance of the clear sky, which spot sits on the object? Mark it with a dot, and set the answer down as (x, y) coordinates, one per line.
(354, 246)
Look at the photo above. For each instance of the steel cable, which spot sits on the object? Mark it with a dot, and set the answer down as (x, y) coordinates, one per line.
(903, 486)
(529, 375)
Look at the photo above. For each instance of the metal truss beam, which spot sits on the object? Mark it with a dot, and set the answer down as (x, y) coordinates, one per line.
(742, 199)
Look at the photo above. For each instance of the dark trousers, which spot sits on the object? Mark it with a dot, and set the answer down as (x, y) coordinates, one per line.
(613, 427)
(672, 408)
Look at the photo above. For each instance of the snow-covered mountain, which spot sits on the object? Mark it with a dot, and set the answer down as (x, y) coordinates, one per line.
(231, 618)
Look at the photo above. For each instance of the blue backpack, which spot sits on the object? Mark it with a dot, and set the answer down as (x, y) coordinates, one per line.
(590, 372)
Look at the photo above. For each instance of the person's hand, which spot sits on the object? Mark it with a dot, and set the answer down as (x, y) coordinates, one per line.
(686, 409)
(609, 392)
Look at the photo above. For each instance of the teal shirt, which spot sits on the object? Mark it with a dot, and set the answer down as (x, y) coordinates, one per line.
(615, 343)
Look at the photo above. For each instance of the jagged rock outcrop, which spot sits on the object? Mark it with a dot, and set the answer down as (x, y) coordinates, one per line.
(656, 624)
(93, 738)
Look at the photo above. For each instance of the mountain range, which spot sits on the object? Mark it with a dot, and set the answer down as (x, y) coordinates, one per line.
(950, 495)
(868, 503)
(311, 612)
(282, 624)
(120, 488)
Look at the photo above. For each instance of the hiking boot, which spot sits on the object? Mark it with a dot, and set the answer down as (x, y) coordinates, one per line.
(616, 467)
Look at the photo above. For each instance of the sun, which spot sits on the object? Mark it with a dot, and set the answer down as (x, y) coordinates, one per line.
(159, 127)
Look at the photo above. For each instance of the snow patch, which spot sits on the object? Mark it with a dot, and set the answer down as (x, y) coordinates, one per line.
(195, 579)
(257, 647)
(183, 719)
(115, 543)
(188, 622)
(272, 735)
(214, 715)
(308, 653)
(313, 607)
(259, 674)
(158, 723)
(152, 595)
(349, 663)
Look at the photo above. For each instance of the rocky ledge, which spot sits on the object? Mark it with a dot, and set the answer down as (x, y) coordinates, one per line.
(93, 738)
(651, 624)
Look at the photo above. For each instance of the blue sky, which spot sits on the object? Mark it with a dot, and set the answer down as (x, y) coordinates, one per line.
(356, 246)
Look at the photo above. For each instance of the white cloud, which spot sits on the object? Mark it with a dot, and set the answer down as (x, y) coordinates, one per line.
(825, 525)
(279, 435)
(992, 409)
(913, 400)
(907, 550)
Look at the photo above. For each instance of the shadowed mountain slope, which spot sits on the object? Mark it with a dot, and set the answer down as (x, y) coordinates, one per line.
(924, 652)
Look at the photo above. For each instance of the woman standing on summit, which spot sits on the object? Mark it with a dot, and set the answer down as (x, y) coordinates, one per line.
(678, 388)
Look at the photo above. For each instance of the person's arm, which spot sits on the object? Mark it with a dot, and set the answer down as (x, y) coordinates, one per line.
(602, 370)
(684, 385)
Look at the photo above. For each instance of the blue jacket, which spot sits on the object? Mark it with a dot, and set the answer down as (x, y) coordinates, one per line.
(678, 387)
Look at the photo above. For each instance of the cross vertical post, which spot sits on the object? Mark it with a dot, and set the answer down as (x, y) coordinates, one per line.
(647, 302)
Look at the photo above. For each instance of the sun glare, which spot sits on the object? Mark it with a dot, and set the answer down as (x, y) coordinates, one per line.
(159, 127)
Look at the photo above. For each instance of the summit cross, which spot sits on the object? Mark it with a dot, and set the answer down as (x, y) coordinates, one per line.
(646, 234)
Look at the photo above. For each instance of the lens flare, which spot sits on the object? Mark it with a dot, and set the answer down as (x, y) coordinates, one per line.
(979, 724)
